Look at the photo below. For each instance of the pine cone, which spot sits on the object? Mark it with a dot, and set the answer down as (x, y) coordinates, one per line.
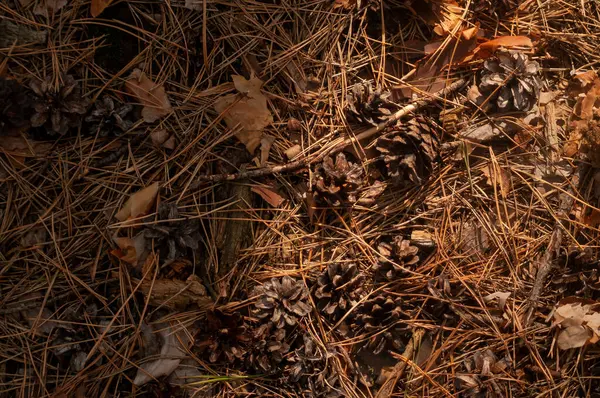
(57, 109)
(395, 257)
(374, 316)
(106, 119)
(225, 337)
(284, 300)
(409, 151)
(15, 104)
(366, 105)
(173, 237)
(338, 182)
(269, 349)
(338, 288)
(510, 81)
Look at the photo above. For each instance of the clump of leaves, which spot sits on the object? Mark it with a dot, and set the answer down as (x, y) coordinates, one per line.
(108, 118)
(15, 104)
(283, 300)
(57, 108)
(409, 150)
(395, 257)
(366, 105)
(510, 81)
(338, 181)
(338, 289)
(377, 317)
(172, 234)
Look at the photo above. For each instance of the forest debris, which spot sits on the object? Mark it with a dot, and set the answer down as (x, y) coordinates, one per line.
(497, 176)
(40, 323)
(500, 296)
(13, 34)
(138, 204)
(293, 151)
(98, 6)
(579, 321)
(173, 293)
(151, 95)
(250, 113)
(487, 49)
(47, 8)
(269, 196)
(130, 250)
(450, 17)
(265, 147)
(161, 137)
(174, 344)
(18, 145)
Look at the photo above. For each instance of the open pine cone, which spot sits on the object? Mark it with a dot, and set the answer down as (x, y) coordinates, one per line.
(510, 81)
(394, 258)
(338, 289)
(376, 316)
(107, 119)
(338, 181)
(283, 300)
(57, 109)
(366, 105)
(15, 104)
(225, 337)
(409, 151)
(269, 348)
(173, 237)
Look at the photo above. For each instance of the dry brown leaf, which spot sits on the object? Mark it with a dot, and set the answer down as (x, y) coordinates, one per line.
(151, 95)
(175, 294)
(173, 350)
(250, 113)
(450, 17)
(500, 296)
(129, 250)
(139, 203)
(579, 320)
(98, 6)
(265, 148)
(573, 337)
(269, 196)
(48, 8)
(499, 177)
(17, 145)
(485, 50)
(162, 138)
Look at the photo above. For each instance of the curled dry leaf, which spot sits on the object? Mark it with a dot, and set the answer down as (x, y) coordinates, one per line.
(98, 6)
(579, 320)
(129, 250)
(174, 344)
(271, 197)
(139, 203)
(485, 50)
(175, 294)
(161, 137)
(501, 296)
(497, 176)
(250, 113)
(151, 95)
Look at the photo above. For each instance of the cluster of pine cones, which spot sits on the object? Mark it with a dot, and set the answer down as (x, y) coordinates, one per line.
(57, 107)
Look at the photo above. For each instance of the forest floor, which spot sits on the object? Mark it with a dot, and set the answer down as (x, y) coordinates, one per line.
(299, 198)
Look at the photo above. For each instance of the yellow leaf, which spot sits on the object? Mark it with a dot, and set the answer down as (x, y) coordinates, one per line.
(151, 95)
(139, 203)
(250, 113)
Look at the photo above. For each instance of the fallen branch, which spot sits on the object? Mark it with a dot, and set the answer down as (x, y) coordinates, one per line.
(298, 164)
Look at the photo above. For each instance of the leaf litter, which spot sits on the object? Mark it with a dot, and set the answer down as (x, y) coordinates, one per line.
(357, 198)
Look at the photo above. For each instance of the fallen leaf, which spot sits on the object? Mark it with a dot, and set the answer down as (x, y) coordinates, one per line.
(250, 113)
(187, 372)
(450, 16)
(265, 148)
(500, 296)
(139, 203)
(48, 8)
(175, 294)
(573, 337)
(130, 250)
(151, 95)
(161, 137)
(17, 145)
(40, 323)
(174, 344)
(579, 320)
(98, 6)
(19, 34)
(269, 196)
(497, 176)
(487, 49)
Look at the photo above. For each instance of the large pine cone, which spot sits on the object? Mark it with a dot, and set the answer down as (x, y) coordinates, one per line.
(338, 289)
(409, 151)
(395, 258)
(338, 181)
(377, 316)
(57, 109)
(225, 337)
(366, 105)
(510, 81)
(15, 104)
(173, 238)
(108, 119)
(283, 300)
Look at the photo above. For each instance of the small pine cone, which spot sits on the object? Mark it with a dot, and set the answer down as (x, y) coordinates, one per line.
(225, 337)
(409, 151)
(338, 181)
(395, 257)
(269, 348)
(283, 300)
(510, 81)
(57, 109)
(15, 104)
(338, 289)
(172, 237)
(366, 105)
(377, 315)
(107, 119)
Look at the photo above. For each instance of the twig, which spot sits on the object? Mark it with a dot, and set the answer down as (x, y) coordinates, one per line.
(298, 164)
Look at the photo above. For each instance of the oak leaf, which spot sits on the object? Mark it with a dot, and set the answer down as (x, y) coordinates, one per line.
(151, 95)
(139, 203)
